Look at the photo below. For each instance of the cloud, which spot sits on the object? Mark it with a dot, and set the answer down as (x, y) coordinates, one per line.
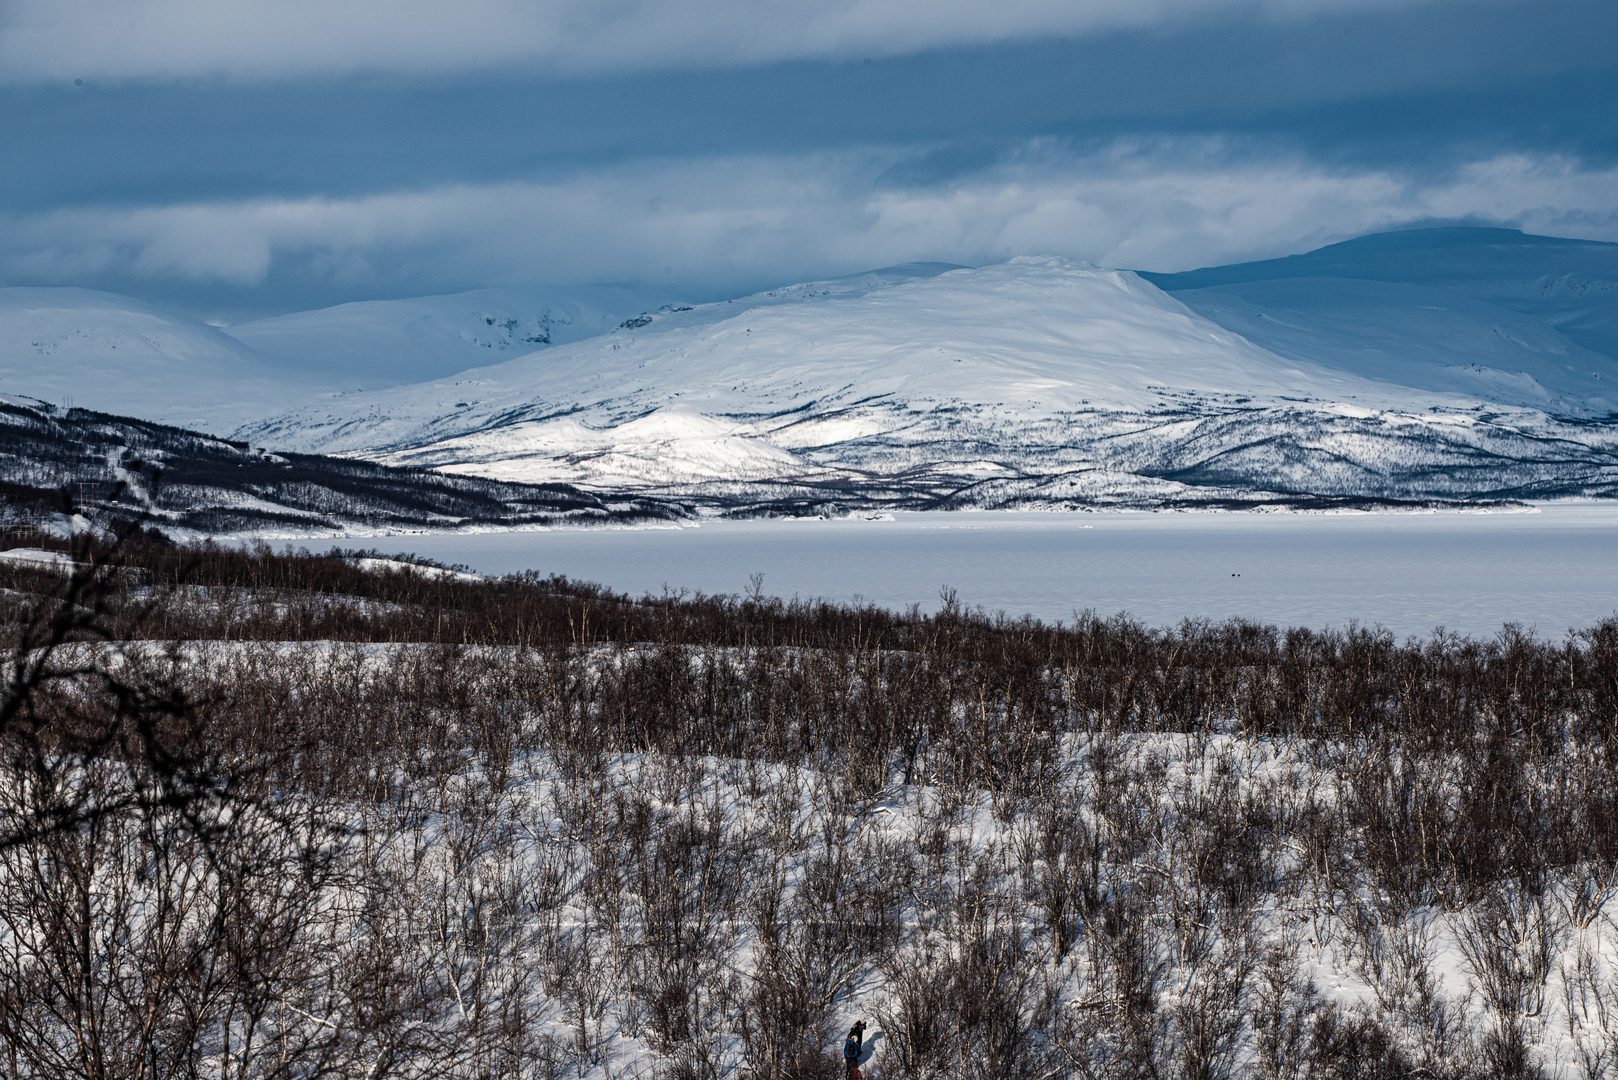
(255, 39)
(727, 225)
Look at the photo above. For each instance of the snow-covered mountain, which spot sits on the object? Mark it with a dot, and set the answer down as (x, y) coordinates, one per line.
(119, 355)
(1034, 381)
(818, 363)
(382, 343)
(118, 471)
(1492, 313)
(1447, 363)
(115, 354)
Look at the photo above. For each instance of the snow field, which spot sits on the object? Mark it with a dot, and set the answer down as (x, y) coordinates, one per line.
(979, 868)
(1044, 368)
(1210, 902)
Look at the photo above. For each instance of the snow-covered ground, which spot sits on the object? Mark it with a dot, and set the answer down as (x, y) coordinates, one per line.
(1003, 371)
(37, 558)
(676, 857)
(1569, 287)
(1416, 335)
(1030, 336)
(110, 353)
(1355, 950)
(1551, 568)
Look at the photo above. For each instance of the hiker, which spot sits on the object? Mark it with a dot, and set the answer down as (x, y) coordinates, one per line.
(851, 1049)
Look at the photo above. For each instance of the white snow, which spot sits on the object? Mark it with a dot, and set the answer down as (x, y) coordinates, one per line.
(398, 566)
(388, 342)
(1495, 312)
(118, 355)
(1047, 369)
(39, 559)
(1419, 336)
(113, 354)
(1026, 339)
(1039, 381)
(667, 446)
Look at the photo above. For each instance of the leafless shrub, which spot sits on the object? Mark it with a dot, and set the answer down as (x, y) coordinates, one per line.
(1509, 940)
(1118, 1029)
(527, 825)
(1284, 1007)
(1590, 1001)
(1346, 1047)
(917, 1019)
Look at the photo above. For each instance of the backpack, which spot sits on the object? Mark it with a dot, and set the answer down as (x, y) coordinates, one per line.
(851, 1048)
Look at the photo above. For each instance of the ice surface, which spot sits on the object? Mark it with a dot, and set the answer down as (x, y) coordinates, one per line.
(1552, 568)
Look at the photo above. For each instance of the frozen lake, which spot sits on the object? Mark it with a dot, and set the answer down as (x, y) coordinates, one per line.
(1552, 568)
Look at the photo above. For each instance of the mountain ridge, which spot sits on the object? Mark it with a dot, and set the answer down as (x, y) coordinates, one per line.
(1035, 381)
(1431, 364)
(1569, 284)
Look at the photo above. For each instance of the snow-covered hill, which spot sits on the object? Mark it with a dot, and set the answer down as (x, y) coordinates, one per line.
(1035, 381)
(119, 355)
(1510, 318)
(116, 471)
(1446, 363)
(1417, 336)
(115, 354)
(821, 363)
(387, 342)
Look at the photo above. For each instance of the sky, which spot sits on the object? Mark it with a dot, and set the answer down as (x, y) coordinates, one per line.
(235, 158)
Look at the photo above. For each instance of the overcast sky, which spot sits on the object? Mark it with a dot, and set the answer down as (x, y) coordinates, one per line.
(236, 157)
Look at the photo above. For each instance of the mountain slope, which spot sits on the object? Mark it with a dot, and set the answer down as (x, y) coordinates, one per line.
(1418, 336)
(1435, 364)
(825, 362)
(120, 471)
(1549, 304)
(113, 353)
(388, 342)
(117, 354)
(1034, 381)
